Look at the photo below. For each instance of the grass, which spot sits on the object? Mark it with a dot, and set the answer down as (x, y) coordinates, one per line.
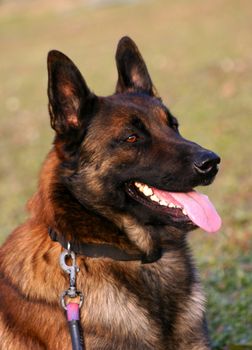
(200, 58)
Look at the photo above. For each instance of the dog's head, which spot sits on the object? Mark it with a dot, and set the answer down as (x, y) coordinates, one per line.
(123, 154)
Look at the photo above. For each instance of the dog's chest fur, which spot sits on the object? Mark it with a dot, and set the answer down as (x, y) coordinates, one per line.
(143, 305)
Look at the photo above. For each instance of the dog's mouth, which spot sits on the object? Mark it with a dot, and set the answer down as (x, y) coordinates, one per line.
(186, 207)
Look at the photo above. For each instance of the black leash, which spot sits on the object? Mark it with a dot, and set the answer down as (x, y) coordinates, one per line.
(76, 336)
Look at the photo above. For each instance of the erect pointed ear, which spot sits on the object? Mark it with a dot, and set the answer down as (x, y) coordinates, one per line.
(69, 96)
(133, 74)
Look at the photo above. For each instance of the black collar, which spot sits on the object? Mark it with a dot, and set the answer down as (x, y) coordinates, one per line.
(104, 250)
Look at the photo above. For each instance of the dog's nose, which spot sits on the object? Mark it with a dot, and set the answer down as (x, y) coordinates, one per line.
(206, 162)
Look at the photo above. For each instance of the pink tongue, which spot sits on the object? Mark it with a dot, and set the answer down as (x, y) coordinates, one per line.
(197, 205)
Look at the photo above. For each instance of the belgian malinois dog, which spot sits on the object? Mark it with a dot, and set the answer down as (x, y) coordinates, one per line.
(118, 188)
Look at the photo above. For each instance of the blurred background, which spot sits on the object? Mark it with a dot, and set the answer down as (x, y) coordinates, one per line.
(199, 54)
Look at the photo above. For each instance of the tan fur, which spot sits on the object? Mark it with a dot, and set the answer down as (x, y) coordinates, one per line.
(139, 236)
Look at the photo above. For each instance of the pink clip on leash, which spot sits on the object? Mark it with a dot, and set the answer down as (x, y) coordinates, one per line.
(73, 313)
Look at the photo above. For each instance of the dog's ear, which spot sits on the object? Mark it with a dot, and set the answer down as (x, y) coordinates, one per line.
(69, 95)
(133, 75)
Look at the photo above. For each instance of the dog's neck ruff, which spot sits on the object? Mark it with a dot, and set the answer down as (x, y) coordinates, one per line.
(104, 250)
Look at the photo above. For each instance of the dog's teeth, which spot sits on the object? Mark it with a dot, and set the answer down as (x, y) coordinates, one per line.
(184, 211)
(154, 198)
(164, 203)
(171, 205)
(138, 184)
(147, 191)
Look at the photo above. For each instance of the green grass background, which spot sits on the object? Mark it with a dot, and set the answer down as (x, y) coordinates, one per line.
(199, 54)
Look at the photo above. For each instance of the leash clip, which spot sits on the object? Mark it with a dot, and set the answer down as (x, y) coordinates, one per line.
(72, 292)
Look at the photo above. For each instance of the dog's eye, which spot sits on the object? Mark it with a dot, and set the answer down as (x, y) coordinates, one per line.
(132, 138)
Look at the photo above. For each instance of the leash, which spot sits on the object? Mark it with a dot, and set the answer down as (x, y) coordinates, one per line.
(72, 299)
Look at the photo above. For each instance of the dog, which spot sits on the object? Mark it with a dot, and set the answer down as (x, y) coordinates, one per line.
(118, 188)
